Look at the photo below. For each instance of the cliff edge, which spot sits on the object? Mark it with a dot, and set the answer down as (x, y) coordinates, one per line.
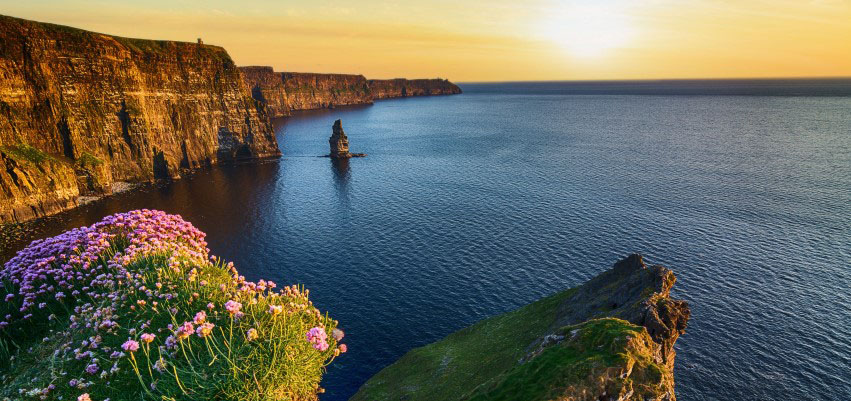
(285, 92)
(611, 338)
(81, 110)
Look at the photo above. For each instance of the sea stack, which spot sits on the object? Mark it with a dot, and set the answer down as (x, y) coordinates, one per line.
(339, 143)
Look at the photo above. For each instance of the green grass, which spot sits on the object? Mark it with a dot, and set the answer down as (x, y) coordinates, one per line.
(483, 361)
(465, 359)
(26, 153)
(590, 348)
(279, 365)
(88, 160)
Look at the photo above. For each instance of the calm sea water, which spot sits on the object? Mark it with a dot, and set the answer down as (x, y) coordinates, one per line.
(476, 204)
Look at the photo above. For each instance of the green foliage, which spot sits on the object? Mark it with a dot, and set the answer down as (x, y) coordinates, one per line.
(27, 153)
(595, 344)
(225, 364)
(465, 359)
(88, 160)
(483, 361)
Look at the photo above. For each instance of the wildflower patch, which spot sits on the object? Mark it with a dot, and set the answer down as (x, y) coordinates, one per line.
(133, 307)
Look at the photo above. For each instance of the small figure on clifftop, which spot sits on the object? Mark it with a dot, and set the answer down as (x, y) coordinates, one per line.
(339, 143)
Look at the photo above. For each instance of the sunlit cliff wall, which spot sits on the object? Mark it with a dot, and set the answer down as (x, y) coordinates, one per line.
(305, 91)
(80, 110)
(400, 87)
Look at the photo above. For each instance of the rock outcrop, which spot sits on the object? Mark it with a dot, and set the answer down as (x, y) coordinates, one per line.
(106, 109)
(284, 92)
(609, 339)
(338, 141)
(636, 293)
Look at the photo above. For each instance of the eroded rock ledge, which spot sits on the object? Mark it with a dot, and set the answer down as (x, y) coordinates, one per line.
(81, 110)
(609, 339)
(284, 92)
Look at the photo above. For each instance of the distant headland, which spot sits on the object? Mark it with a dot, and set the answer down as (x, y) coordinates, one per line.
(285, 92)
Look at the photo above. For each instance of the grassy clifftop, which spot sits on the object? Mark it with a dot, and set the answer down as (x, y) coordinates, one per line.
(609, 339)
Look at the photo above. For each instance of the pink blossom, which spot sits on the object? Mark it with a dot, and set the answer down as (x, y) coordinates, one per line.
(318, 338)
(205, 330)
(147, 338)
(233, 307)
(130, 346)
(200, 317)
(185, 330)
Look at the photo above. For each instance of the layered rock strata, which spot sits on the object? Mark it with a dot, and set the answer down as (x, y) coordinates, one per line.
(339, 143)
(400, 87)
(284, 92)
(81, 110)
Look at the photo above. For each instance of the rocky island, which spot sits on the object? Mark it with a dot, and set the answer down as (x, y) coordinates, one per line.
(339, 143)
(609, 339)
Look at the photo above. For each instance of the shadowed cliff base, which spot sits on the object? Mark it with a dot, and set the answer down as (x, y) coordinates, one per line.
(285, 92)
(611, 338)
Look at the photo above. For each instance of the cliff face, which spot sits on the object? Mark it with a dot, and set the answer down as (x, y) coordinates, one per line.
(267, 86)
(283, 92)
(107, 109)
(609, 339)
(400, 87)
(307, 91)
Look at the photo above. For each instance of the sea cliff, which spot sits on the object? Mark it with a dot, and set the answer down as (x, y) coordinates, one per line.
(609, 339)
(401, 87)
(81, 111)
(284, 92)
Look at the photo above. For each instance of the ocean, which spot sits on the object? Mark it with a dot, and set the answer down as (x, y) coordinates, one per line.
(472, 205)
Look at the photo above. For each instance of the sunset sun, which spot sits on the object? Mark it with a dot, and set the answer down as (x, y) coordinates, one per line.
(590, 31)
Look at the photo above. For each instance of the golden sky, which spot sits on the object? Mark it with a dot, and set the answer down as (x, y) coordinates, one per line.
(491, 40)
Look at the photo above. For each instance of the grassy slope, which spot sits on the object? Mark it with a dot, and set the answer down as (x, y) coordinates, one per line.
(599, 348)
(481, 362)
(466, 358)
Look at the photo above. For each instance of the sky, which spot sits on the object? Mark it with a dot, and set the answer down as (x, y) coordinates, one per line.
(491, 40)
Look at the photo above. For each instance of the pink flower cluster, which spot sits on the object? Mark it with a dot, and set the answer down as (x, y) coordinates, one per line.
(318, 338)
(96, 278)
(51, 269)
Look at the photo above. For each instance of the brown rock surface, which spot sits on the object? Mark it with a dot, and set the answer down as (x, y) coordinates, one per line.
(284, 92)
(267, 86)
(338, 141)
(639, 294)
(307, 91)
(400, 87)
(144, 109)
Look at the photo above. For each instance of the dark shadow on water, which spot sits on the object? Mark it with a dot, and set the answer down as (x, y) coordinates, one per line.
(342, 172)
(207, 198)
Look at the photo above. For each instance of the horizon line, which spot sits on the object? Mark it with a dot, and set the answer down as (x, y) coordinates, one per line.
(615, 80)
